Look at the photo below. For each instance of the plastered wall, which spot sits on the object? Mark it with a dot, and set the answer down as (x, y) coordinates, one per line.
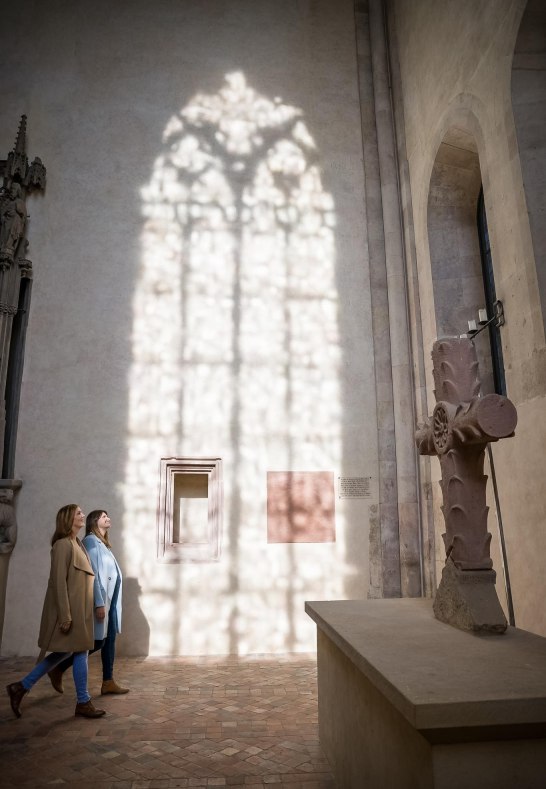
(200, 289)
(455, 61)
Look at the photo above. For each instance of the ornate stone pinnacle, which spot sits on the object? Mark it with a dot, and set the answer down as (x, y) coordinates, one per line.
(17, 163)
(21, 139)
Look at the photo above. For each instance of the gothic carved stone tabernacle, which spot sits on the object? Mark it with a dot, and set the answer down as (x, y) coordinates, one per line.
(19, 180)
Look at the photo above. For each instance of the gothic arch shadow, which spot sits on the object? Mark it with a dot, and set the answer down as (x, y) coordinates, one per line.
(236, 355)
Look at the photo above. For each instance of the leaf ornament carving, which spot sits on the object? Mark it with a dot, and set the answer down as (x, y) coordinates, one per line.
(462, 424)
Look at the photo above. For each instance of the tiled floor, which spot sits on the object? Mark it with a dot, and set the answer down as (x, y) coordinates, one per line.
(243, 722)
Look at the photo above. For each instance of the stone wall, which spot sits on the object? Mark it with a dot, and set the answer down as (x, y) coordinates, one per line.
(201, 290)
(529, 106)
(455, 63)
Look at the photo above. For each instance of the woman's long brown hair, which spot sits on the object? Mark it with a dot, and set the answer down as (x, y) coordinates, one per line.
(92, 526)
(63, 522)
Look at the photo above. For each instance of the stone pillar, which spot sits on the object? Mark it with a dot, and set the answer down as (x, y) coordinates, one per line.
(395, 310)
(8, 537)
(19, 178)
(384, 548)
(7, 311)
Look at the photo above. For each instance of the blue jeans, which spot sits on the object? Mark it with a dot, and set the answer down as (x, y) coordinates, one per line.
(69, 656)
(108, 651)
(79, 672)
(107, 646)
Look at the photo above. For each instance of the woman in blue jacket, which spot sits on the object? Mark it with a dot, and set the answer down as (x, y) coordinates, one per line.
(107, 602)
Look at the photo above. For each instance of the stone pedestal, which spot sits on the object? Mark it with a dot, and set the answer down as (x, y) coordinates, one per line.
(408, 701)
(467, 599)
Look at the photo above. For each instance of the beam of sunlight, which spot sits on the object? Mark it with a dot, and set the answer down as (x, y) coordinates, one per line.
(235, 355)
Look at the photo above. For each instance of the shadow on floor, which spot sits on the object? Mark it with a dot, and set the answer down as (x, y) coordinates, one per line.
(187, 722)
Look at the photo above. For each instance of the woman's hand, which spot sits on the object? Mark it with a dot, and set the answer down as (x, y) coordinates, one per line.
(65, 626)
(100, 612)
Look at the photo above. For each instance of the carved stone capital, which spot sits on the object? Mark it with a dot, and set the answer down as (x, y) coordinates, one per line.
(25, 267)
(8, 521)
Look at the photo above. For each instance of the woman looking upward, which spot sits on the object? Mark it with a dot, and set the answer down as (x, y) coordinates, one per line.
(107, 602)
(66, 628)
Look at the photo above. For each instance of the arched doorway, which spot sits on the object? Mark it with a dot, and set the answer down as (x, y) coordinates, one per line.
(463, 279)
(461, 263)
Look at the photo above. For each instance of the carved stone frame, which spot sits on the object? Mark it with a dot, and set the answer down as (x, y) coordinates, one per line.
(177, 552)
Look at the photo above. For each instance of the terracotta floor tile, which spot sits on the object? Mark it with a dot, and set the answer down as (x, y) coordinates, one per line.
(248, 722)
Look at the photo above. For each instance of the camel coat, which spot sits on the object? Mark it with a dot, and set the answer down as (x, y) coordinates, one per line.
(69, 597)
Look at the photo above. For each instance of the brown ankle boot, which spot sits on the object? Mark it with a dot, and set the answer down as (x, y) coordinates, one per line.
(56, 677)
(87, 710)
(16, 692)
(111, 686)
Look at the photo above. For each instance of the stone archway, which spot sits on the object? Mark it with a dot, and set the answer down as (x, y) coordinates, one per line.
(529, 107)
(456, 266)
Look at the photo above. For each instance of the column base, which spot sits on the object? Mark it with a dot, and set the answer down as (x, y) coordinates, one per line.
(467, 599)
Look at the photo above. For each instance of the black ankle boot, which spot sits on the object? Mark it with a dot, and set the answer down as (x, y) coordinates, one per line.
(16, 692)
(87, 710)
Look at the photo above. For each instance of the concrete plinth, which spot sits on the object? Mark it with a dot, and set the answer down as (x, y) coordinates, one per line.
(407, 701)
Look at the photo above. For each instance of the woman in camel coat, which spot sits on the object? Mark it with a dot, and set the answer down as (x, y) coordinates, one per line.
(107, 594)
(67, 617)
(69, 598)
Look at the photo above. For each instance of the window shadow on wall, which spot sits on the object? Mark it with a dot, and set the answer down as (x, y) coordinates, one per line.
(236, 354)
